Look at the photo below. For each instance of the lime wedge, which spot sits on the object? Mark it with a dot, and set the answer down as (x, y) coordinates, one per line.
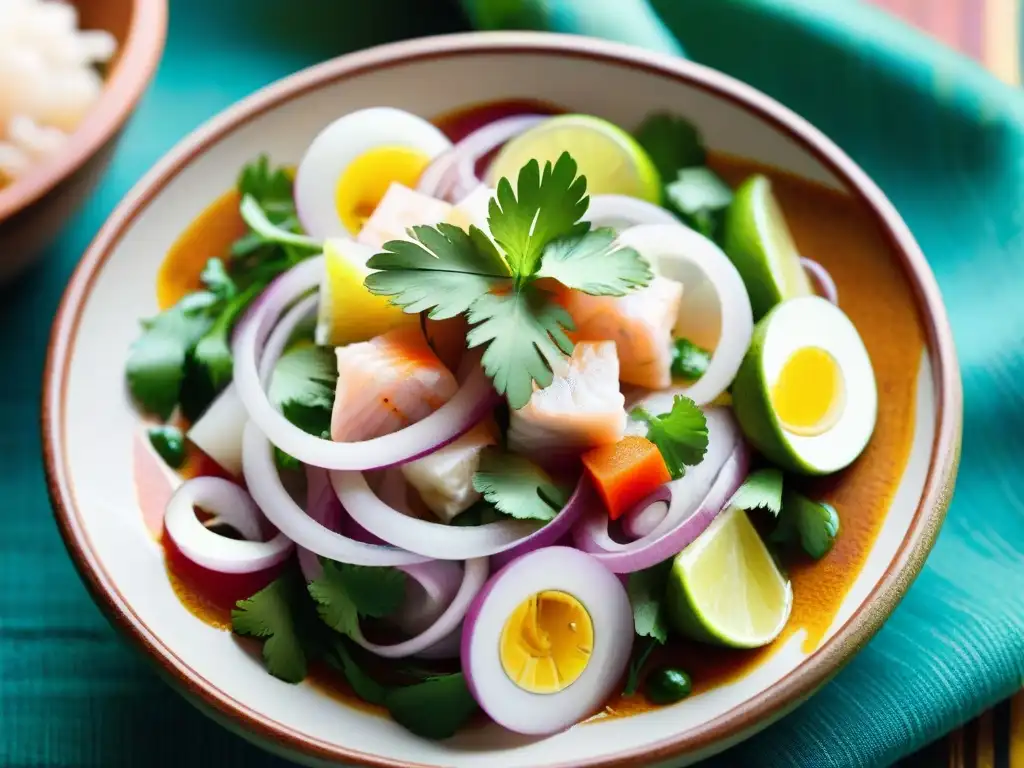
(726, 589)
(759, 243)
(348, 312)
(612, 160)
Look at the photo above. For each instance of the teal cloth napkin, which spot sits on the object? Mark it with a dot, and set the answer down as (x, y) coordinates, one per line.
(943, 139)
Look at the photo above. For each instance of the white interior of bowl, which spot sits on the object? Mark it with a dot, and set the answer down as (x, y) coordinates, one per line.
(98, 422)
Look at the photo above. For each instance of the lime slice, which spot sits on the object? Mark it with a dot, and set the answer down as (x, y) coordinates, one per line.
(348, 312)
(612, 160)
(726, 589)
(759, 243)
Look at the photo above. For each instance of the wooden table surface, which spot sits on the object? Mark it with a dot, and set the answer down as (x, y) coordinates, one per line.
(989, 31)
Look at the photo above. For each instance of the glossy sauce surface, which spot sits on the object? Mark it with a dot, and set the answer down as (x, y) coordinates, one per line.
(830, 227)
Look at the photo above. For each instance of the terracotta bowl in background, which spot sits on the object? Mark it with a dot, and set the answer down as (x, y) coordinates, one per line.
(89, 426)
(33, 209)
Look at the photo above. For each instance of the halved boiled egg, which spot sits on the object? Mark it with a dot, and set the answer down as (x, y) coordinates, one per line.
(547, 640)
(352, 162)
(805, 394)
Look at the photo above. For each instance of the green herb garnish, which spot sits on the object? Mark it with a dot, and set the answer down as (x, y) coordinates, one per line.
(672, 143)
(433, 709)
(761, 490)
(688, 360)
(646, 591)
(445, 272)
(275, 614)
(169, 443)
(302, 387)
(814, 524)
(347, 592)
(642, 650)
(667, 685)
(681, 435)
(517, 487)
(701, 198)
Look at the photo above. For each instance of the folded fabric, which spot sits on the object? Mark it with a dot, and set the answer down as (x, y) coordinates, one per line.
(944, 140)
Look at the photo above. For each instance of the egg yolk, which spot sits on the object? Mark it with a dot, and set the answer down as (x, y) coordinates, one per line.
(546, 642)
(810, 393)
(365, 180)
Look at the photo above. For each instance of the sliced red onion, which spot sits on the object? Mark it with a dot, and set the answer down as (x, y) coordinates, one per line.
(648, 514)
(264, 482)
(699, 488)
(474, 577)
(453, 174)
(605, 600)
(446, 542)
(822, 280)
(622, 211)
(677, 250)
(469, 405)
(231, 505)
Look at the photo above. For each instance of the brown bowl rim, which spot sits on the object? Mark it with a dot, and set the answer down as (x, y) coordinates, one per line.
(137, 61)
(737, 723)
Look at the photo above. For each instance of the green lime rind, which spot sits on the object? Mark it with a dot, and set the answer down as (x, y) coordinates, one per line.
(686, 617)
(769, 266)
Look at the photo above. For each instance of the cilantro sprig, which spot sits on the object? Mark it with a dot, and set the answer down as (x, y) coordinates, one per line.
(517, 487)
(681, 434)
(183, 356)
(761, 490)
(539, 232)
(646, 590)
(347, 592)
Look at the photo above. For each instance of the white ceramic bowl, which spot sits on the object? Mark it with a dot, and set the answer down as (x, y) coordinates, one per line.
(89, 424)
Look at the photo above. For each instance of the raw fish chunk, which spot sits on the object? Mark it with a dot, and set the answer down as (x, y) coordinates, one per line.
(387, 383)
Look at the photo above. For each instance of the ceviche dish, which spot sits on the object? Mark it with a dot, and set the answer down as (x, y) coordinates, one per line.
(517, 415)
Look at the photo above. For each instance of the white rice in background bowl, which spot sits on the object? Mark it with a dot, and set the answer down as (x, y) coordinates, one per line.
(49, 79)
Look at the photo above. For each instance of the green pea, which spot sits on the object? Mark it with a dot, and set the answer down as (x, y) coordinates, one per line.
(688, 360)
(667, 685)
(169, 443)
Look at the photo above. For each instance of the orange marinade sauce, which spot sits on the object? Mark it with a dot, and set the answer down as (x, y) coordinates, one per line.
(830, 227)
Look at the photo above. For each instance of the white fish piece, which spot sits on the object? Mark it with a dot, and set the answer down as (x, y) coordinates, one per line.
(639, 323)
(580, 409)
(387, 383)
(399, 209)
(444, 478)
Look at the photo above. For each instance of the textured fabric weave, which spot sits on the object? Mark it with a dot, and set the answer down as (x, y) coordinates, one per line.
(944, 140)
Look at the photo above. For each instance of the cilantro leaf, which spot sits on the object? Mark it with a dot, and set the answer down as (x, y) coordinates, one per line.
(433, 709)
(271, 187)
(646, 591)
(549, 206)
(364, 686)
(442, 269)
(346, 592)
(595, 264)
(302, 386)
(525, 334)
(271, 614)
(212, 353)
(700, 197)
(481, 513)
(641, 652)
(814, 524)
(688, 360)
(761, 489)
(672, 143)
(156, 360)
(681, 435)
(217, 280)
(517, 487)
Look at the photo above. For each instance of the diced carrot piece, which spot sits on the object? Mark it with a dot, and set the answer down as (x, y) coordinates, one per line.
(625, 472)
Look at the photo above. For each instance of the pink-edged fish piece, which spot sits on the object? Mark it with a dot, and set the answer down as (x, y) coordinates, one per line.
(387, 383)
(639, 323)
(580, 409)
(399, 209)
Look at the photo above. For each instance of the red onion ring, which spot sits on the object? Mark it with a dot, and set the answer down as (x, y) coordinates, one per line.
(452, 175)
(660, 546)
(643, 519)
(822, 280)
(622, 211)
(469, 405)
(232, 506)
(264, 483)
(446, 542)
(473, 579)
